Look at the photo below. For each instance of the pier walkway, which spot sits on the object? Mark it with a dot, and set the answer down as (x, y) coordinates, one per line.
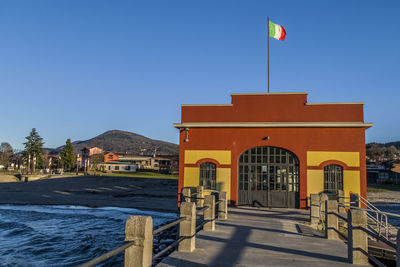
(261, 237)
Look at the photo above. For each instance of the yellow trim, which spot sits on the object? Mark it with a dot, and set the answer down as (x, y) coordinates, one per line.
(272, 125)
(191, 176)
(223, 179)
(222, 156)
(315, 181)
(351, 182)
(315, 158)
(285, 93)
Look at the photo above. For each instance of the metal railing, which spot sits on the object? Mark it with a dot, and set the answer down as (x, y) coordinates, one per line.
(364, 221)
(137, 235)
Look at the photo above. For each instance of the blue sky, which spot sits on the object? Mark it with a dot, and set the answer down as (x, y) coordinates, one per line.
(74, 69)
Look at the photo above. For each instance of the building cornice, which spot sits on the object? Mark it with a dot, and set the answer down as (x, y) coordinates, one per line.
(273, 125)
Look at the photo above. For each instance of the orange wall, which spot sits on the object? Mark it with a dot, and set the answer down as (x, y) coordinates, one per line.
(273, 108)
(297, 140)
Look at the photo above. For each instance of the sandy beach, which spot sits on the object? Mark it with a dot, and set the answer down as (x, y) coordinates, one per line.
(93, 191)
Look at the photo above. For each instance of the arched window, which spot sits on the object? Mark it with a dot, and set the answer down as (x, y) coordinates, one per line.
(208, 175)
(333, 178)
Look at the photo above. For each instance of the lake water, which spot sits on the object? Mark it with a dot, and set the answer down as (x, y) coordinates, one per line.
(392, 208)
(64, 235)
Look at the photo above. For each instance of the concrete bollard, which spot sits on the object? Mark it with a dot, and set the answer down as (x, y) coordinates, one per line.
(140, 230)
(357, 238)
(199, 201)
(341, 207)
(223, 206)
(187, 228)
(209, 213)
(314, 209)
(322, 199)
(331, 219)
(354, 200)
(186, 194)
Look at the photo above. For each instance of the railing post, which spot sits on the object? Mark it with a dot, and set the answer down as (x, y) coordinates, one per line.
(357, 238)
(209, 213)
(186, 194)
(341, 208)
(140, 230)
(187, 228)
(199, 201)
(223, 206)
(323, 198)
(354, 200)
(331, 219)
(314, 209)
(398, 249)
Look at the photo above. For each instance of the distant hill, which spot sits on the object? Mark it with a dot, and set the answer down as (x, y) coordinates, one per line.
(396, 144)
(125, 142)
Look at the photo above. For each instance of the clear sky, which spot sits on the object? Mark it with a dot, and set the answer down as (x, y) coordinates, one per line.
(74, 69)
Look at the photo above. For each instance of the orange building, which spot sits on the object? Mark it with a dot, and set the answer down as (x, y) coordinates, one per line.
(273, 149)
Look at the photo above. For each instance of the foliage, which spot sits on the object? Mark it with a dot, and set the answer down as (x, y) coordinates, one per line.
(95, 160)
(6, 154)
(68, 155)
(379, 152)
(34, 149)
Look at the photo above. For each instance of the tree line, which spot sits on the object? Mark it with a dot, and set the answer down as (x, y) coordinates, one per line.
(32, 155)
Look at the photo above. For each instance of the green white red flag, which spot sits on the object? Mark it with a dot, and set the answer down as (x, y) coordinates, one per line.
(276, 31)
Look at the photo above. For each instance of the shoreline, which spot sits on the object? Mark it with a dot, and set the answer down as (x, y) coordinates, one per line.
(147, 194)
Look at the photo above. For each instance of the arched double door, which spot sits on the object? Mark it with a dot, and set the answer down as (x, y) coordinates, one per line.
(268, 176)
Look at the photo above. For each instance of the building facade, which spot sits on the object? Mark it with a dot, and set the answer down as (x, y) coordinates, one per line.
(273, 149)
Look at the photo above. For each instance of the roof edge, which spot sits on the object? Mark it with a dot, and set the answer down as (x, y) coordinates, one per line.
(273, 125)
(283, 93)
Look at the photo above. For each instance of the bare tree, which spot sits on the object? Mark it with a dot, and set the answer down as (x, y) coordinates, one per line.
(6, 153)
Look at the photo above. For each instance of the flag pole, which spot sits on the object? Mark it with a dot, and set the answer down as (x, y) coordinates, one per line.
(268, 50)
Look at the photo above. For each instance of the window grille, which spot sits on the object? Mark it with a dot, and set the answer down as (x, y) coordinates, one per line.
(208, 175)
(333, 178)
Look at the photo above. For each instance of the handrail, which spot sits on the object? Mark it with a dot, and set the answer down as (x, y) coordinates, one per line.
(156, 231)
(165, 227)
(378, 211)
(107, 255)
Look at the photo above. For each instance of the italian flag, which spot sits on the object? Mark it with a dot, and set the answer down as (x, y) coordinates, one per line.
(277, 31)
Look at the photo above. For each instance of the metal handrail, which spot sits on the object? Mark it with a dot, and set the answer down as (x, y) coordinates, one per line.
(165, 227)
(107, 255)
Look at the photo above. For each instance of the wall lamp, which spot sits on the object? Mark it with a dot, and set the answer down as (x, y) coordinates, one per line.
(187, 135)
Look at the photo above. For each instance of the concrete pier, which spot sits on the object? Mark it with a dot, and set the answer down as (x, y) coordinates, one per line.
(262, 237)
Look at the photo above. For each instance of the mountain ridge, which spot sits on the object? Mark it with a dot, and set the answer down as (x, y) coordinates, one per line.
(124, 142)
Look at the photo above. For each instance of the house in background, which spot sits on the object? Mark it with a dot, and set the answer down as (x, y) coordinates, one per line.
(119, 167)
(86, 153)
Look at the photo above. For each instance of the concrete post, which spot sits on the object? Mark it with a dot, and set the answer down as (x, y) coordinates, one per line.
(187, 228)
(314, 209)
(357, 238)
(140, 230)
(209, 213)
(331, 219)
(398, 249)
(223, 206)
(200, 190)
(186, 194)
(354, 200)
(322, 199)
(341, 207)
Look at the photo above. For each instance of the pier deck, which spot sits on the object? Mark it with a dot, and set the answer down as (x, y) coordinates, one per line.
(261, 237)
